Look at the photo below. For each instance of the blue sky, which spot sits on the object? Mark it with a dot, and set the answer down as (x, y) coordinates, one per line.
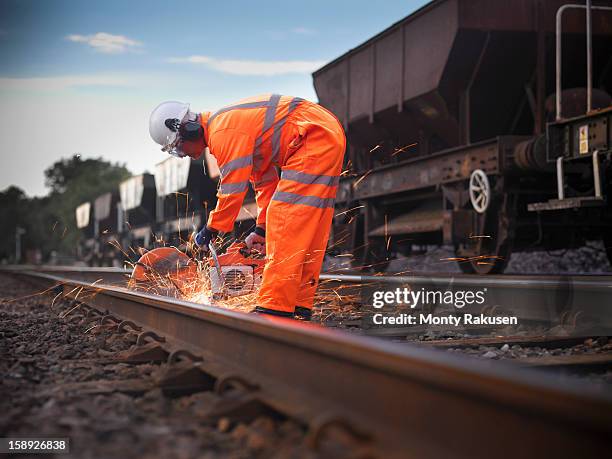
(82, 77)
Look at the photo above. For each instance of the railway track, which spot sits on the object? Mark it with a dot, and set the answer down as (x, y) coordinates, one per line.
(570, 304)
(578, 303)
(394, 400)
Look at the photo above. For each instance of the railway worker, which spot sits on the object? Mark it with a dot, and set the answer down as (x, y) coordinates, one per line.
(251, 140)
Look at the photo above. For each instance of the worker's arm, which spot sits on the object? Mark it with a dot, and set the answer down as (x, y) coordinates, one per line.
(233, 150)
(264, 185)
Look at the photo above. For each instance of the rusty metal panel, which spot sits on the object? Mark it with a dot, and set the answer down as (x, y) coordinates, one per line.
(332, 87)
(412, 222)
(361, 87)
(428, 42)
(579, 137)
(388, 71)
(454, 56)
(444, 167)
(521, 16)
(574, 19)
(515, 15)
(458, 225)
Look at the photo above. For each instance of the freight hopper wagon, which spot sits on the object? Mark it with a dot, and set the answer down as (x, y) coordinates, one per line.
(482, 124)
(138, 205)
(185, 195)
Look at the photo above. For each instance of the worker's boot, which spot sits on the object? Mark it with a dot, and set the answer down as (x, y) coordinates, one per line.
(301, 313)
(271, 312)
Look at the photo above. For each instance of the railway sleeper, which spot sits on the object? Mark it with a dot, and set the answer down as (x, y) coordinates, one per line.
(150, 352)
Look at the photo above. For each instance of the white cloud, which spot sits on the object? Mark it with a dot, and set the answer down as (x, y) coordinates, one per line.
(106, 43)
(304, 31)
(249, 67)
(62, 82)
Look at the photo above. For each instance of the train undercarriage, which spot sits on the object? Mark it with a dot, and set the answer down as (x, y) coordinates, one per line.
(489, 202)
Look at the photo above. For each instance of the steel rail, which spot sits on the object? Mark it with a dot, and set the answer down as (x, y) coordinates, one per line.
(552, 300)
(411, 402)
(595, 281)
(109, 275)
(541, 298)
(506, 280)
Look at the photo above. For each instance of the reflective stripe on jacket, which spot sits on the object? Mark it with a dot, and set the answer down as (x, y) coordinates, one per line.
(249, 140)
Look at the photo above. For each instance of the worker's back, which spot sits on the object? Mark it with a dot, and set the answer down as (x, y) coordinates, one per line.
(263, 119)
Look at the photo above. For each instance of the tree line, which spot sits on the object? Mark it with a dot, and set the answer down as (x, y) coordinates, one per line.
(49, 223)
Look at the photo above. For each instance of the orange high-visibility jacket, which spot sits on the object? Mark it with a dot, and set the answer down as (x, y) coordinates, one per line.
(248, 139)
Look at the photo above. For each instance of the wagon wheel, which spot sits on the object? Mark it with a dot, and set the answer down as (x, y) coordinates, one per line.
(488, 249)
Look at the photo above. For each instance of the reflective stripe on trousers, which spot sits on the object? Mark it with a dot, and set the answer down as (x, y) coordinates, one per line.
(300, 214)
(307, 179)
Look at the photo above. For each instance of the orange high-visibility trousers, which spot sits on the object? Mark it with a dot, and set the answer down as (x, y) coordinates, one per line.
(300, 212)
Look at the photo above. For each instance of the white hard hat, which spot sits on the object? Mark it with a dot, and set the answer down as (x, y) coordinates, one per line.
(161, 121)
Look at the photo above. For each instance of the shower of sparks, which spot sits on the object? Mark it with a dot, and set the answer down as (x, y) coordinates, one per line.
(333, 300)
(330, 299)
(387, 238)
(33, 295)
(376, 148)
(66, 313)
(404, 148)
(349, 210)
(358, 181)
(480, 259)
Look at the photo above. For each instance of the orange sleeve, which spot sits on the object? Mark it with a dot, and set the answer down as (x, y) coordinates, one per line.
(233, 150)
(264, 185)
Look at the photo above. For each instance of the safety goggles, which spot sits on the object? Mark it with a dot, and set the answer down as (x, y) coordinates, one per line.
(173, 148)
(174, 140)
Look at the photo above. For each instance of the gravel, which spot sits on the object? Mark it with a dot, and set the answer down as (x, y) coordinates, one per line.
(517, 351)
(535, 354)
(60, 380)
(588, 259)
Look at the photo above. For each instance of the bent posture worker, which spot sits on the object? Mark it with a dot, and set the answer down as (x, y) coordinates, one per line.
(249, 140)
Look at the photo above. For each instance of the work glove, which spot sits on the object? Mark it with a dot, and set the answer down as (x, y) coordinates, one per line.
(204, 237)
(257, 240)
